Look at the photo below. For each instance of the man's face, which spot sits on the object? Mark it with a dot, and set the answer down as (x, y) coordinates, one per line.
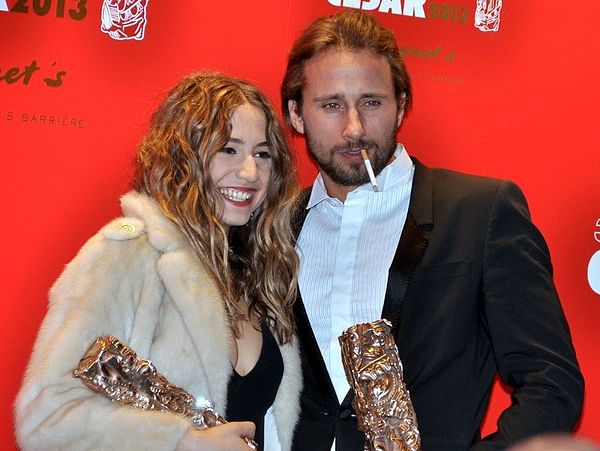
(348, 104)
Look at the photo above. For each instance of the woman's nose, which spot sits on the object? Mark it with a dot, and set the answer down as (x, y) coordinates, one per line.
(248, 169)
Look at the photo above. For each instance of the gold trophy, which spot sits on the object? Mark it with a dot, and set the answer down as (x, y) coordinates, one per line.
(382, 403)
(112, 369)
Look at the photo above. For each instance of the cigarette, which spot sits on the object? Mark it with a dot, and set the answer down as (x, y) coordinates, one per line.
(363, 152)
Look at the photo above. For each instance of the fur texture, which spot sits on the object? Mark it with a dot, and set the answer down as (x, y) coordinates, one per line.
(137, 279)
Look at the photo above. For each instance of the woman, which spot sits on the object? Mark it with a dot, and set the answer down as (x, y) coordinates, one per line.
(198, 277)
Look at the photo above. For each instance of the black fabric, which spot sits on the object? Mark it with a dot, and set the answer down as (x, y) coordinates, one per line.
(470, 295)
(250, 396)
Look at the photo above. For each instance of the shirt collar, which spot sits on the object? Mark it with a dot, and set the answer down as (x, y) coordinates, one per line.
(390, 176)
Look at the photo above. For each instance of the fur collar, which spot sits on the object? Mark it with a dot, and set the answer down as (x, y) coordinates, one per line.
(192, 291)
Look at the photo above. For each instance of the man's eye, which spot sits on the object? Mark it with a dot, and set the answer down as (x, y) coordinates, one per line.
(332, 106)
(372, 103)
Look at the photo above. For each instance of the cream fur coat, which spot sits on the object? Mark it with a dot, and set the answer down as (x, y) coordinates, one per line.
(139, 280)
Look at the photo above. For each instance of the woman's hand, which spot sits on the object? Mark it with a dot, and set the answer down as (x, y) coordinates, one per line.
(224, 437)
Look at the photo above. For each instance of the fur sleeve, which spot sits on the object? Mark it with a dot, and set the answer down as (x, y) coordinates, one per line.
(98, 293)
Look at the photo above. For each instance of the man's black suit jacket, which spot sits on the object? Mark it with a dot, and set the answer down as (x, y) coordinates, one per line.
(470, 295)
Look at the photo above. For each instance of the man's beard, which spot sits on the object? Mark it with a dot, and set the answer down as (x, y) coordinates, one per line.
(352, 173)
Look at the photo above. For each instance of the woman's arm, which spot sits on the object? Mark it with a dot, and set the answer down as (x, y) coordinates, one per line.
(97, 294)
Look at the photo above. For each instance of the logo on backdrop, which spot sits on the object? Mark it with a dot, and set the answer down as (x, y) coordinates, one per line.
(30, 74)
(124, 19)
(487, 12)
(3, 5)
(487, 15)
(594, 265)
(51, 76)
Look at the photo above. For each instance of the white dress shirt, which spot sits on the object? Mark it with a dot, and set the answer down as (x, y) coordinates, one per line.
(345, 251)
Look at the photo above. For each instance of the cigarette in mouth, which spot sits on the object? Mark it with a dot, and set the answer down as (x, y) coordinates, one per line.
(363, 152)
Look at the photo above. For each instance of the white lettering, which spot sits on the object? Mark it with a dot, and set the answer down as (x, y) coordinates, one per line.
(352, 4)
(370, 5)
(597, 234)
(390, 5)
(594, 272)
(414, 8)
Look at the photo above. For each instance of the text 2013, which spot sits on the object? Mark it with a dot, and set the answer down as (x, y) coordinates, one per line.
(76, 11)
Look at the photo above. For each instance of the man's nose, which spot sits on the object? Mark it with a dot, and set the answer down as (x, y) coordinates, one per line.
(248, 169)
(354, 127)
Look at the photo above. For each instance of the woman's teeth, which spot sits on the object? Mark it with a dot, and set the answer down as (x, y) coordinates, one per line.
(235, 194)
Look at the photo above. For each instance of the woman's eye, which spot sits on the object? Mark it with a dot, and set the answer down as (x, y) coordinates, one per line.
(263, 154)
(228, 150)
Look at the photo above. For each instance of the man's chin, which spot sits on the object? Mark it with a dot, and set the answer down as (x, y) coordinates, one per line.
(344, 172)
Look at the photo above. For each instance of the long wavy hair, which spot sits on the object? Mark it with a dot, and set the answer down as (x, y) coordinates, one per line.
(255, 265)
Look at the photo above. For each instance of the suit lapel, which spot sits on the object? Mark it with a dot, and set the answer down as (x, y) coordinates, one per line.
(413, 243)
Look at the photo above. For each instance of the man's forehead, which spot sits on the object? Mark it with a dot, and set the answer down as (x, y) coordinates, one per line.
(337, 73)
(341, 56)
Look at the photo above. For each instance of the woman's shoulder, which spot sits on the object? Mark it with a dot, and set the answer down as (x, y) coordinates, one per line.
(124, 243)
(140, 210)
(123, 228)
(142, 225)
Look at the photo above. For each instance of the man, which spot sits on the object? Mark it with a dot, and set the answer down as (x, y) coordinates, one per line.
(452, 260)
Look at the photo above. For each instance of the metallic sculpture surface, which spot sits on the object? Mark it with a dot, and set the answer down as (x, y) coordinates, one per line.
(112, 369)
(382, 403)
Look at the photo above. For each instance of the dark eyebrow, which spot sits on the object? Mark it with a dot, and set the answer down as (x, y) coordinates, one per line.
(341, 97)
(328, 97)
(375, 95)
(241, 141)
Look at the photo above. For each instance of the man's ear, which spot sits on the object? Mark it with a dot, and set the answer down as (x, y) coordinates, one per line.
(399, 117)
(296, 116)
(401, 106)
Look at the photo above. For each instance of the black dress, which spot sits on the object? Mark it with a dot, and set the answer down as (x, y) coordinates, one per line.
(250, 396)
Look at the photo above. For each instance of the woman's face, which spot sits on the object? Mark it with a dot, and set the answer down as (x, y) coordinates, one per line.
(241, 170)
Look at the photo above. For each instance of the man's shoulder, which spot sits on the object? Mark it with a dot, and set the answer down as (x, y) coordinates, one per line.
(453, 191)
(455, 180)
(449, 173)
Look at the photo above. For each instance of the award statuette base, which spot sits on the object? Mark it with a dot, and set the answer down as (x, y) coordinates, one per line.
(112, 369)
(382, 403)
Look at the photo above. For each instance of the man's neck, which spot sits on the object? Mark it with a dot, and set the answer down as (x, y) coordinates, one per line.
(335, 189)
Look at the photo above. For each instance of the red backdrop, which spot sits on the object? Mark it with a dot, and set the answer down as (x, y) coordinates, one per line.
(518, 103)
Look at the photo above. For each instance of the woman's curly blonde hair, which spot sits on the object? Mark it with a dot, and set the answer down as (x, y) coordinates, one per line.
(255, 265)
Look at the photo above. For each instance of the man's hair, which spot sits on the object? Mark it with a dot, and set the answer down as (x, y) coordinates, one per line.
(350, 30)
(257, 275)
